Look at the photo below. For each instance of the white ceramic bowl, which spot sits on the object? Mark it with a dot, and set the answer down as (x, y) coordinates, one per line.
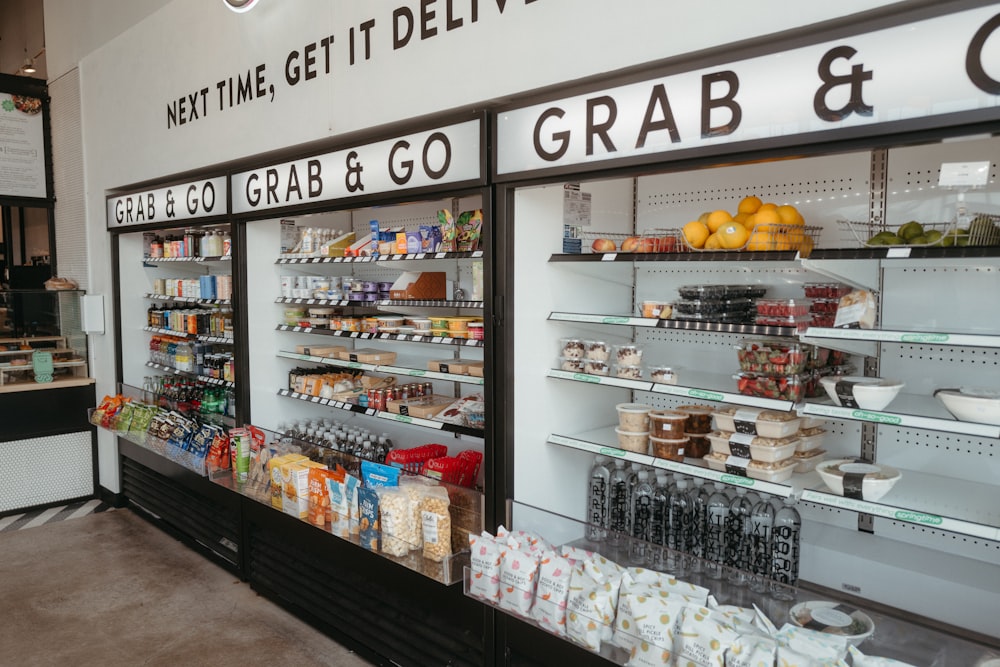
(869, 393)
(972, 404)
(834, 619)
(877, 481)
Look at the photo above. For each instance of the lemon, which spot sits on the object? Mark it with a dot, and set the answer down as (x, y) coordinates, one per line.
(695, 233)
(790, 216)
(759, 240)
(749, 205)
(713, 242)
(733, 236)
(717, 219)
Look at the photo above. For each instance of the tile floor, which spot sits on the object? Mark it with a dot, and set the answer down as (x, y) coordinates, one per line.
(107, 589)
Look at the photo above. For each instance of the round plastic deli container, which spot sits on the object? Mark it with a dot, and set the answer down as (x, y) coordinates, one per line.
(439, 323)
(390, 321)
(598, 350)
(663, 375)
(319, 322)
(667, 424)
(421, 324)
(637, 442)
(698, 445)
(633, 416)
(369, 325)
(440, 333)
(321, 312)
(671, 449)
(699, 418)
(628, 372)
(350, 324)
(406, 330)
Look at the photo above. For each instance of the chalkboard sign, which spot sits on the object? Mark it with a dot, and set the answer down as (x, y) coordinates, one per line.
(41, 363)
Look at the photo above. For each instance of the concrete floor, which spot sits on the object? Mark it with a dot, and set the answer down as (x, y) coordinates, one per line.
(110, 589)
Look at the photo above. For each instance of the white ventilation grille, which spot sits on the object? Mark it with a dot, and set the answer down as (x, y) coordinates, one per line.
(67, 161)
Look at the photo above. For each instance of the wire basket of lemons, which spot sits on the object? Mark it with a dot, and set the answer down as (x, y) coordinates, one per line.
(756, 226)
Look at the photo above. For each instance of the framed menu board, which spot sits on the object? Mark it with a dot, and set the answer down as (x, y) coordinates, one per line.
(23, 139)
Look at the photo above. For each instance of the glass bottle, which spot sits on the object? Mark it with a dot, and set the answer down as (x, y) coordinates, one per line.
(699, 517)
(597, 500)
(658, 521)
(716, 516)
(678, 534)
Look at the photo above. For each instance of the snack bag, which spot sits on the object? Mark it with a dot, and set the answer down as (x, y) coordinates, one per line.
(823, 647)
(610, 574)
(518, 577)
(629, 623)
(788, 657)
(376, 475)
(396, 515)
(859, 659)
(485, 565)
(351, 486)
(655, 624)
(752, 651)
(449, 232)
(340, 512)
(320, 509)
(703, 637)
(552, 592)
(576, 553)
(97, 416)
(218, 451)
(435, 519)
(124, 417)
(585, 608)
(368, 507)
(470, 226)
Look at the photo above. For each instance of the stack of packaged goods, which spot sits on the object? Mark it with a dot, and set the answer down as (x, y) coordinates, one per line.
(825, 300)
(772, 368)
(717, 303)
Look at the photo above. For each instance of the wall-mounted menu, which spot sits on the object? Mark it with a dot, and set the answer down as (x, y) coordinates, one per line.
(22, 146)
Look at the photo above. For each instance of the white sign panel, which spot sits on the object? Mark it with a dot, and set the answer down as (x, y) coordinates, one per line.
(945, 65)
(187, 201)
(22, 147)
(435, 157)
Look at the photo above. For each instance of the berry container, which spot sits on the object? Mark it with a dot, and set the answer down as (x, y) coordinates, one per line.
(783, 307)
(778, 387)
(771, 356)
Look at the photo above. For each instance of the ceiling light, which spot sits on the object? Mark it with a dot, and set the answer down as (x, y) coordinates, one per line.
(29, 66)
(240, 5)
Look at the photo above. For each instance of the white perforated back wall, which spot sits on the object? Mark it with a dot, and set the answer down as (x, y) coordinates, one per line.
(824, 189)
(45, 470)
(67, 171)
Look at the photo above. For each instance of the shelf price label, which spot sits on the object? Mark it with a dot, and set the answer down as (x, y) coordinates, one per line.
(706, 395)
(924, 338)
(737, 480)
(918, 517)
(877, 417)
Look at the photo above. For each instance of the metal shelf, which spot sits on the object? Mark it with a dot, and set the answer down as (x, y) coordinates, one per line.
(187, 374)
(914, 337)
(907, 410)
(687, 325)
(376, 368)
(380, 414)
(398, 303)
(691, 256)
(420, 256)
(187, 260)
(205, 338)
(189, 299)
(434, 340)
(703, 387)
(916, 498)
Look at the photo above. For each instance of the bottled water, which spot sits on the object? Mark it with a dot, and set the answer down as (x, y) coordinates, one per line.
(737, 538)
(597, 500)
(658, 521)
(680, 528)
(618, 503)
(699, 516)
(785, 550)
(642, 501)
(716, 518)
(761, 525)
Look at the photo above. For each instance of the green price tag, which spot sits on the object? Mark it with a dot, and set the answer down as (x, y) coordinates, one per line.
(736, 479)
(610, 451)
(41, 364)
(707, 395)
(919, 517)
(867, 415)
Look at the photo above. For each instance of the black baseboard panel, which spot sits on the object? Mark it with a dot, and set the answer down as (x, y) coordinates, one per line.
(527, 646)
(109, 497)
(385, 611)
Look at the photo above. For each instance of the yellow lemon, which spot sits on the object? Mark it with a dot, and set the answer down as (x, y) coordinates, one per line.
(781, 242)
(759, 240)
(806, 247)
(717, 219)
(749, 205)
(742, 218)
(733, 236)
(790, 215)
(769, 206)
(695, 233)
(713, 242)
(766, 217)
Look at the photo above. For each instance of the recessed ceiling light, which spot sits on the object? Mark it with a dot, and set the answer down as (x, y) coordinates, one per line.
(240, 5)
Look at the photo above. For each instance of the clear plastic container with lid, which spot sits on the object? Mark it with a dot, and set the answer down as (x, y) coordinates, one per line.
(783, 307)
(633, 441)
(778, 387)
(663, 374)
(667, 424)
(628, 372)
(633, 417)
(572, 348)
(771, 356)
(671, 449)
(710, 307)
(797, 322)
(628, 354)
(699, 418)
(768, 423)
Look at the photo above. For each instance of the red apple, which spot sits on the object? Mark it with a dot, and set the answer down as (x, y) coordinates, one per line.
(631, 244)
(603, 245)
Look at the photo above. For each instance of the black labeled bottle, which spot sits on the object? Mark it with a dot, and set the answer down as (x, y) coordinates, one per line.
(737, 534)
(618, 504)
(678, 536)
(785, 550)
(716, 517)
(699, 495)
(642, 511)
(597, 500)
(761, 527)
(658, 521)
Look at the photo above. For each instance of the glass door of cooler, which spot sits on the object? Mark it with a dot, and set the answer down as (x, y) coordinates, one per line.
(176, 317)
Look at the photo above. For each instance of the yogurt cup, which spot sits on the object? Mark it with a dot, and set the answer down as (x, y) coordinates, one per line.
(631, 441)
(633, 417)
(421, 324)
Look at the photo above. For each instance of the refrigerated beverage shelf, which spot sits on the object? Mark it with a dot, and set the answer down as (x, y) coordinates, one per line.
(188, 260)
(422, 256)
(381, 414)
(378, 368)
(362, 335)
(205, 338)
(398, 303)
(189, 299)
(187, 374)
(680, 256)
(918, 498)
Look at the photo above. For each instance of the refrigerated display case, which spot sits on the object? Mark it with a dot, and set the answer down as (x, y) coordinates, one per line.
(624, 273)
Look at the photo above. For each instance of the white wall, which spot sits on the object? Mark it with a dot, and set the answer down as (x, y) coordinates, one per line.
(130, 75)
